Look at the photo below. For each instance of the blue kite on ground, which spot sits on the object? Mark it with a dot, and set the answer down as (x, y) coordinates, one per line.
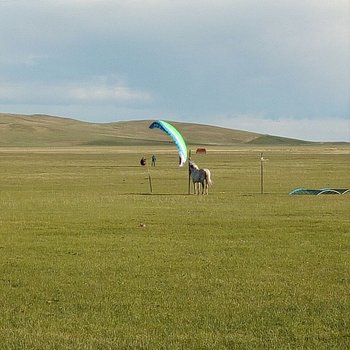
(299, 191)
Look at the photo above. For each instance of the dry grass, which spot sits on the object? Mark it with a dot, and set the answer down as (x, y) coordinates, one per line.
(40, 130)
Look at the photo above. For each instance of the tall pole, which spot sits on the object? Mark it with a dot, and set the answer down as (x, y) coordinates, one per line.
(189, 172)
(261, 173)
(149, 179)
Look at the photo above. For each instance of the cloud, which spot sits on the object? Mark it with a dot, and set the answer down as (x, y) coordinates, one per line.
(98, 90)
(309, 129)
(260, 59)
(22, 60)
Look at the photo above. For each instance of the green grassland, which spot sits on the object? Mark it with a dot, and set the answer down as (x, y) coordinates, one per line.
(231, 270)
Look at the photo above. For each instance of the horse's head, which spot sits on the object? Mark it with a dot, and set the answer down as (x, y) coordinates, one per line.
(193, 165)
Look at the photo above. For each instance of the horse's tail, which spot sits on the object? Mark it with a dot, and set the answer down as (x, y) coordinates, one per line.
(207, 173)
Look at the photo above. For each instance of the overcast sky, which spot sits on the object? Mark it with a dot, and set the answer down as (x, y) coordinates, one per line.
(279, 67)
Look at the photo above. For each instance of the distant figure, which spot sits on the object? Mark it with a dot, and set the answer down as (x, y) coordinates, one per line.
(154, 159)
(143, 161)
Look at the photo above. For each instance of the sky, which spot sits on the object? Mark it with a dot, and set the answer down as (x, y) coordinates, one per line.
(278, 67)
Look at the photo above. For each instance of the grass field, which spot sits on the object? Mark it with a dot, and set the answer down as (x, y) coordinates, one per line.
(231, 270)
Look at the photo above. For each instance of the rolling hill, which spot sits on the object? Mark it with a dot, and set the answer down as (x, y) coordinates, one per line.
(43, 130)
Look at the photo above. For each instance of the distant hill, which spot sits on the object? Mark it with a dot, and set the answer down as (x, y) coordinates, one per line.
(44, 130)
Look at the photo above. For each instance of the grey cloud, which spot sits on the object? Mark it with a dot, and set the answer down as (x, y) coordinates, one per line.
(96, 91)
(199, 58)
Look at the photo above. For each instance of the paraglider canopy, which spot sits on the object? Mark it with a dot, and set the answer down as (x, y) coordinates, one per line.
(176, 136)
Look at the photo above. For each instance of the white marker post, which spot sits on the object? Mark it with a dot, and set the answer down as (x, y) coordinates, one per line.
(262, 160)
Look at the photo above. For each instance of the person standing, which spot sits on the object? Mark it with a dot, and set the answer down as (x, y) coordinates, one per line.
(154, 159)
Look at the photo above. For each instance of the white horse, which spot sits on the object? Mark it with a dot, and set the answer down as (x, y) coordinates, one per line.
(200, 177)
